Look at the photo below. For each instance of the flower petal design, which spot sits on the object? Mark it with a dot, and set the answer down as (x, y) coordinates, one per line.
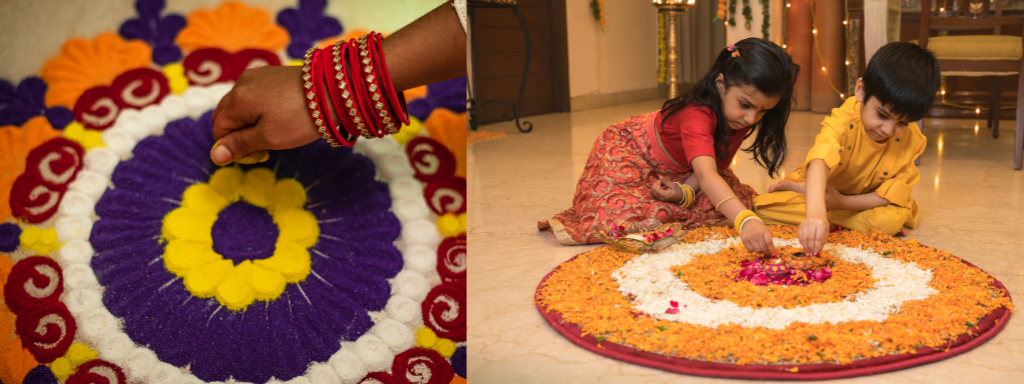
(202, 197)
(183, 255)
(291, 260)
(236, 290)
(83, 64)
(17, 143)
(233, 26)
(17, 105)
(267, 284)
(258, 187)
(298, 226)
(307, 24)
(289, 194)
(226, 181)
(203, 281)
(158, 31)
(189, 224)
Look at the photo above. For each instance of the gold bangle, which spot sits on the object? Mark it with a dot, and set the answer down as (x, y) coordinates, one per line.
(742, 216)
(751, 218)
(723, 201)
(687, 199)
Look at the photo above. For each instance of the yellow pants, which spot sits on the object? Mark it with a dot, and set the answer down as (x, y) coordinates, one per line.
(790, 208)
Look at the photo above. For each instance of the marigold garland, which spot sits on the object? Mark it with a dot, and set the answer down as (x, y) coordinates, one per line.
(584, 293)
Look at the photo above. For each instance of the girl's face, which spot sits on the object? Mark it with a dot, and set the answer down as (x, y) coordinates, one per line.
(743, 105)
(879, 123)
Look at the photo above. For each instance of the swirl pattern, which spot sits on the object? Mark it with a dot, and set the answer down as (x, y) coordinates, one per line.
(444, 312)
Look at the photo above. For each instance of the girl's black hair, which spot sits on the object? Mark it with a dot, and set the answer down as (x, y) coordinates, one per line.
(768, 68)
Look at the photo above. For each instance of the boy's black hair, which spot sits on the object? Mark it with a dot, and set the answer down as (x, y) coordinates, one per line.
(903, 77)
(768, 68)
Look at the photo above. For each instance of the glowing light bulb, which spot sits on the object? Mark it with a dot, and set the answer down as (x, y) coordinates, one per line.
(787, 5)
(844, 22)
(814, 30)
(943, 91)
(975, 127)
(942, 9)
(977, 110)
(842, 96)
(936, 181)
(822, 68)
(847, 62)
(783, 45)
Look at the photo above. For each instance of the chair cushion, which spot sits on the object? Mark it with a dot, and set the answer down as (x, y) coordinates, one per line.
(975, 47)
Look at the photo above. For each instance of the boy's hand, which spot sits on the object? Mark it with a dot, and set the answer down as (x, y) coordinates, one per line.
(833, 199)
(665, 190)
(756, 238)
(814, 233)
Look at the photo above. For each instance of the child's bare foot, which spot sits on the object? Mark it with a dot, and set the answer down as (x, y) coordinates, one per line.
(903, 231)
(786, 185)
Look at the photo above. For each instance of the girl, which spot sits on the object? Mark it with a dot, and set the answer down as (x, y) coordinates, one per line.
(654, 165)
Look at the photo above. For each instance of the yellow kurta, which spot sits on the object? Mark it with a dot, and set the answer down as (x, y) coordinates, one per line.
(857, 165)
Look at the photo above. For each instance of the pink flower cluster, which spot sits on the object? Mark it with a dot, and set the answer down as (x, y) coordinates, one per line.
(674, 309)
(753, 273)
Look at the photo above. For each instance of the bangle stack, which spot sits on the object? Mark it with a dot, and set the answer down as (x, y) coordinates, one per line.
(688, 196)
(351, 82)
(743, 218)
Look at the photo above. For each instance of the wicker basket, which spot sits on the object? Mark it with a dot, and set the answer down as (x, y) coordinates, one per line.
(618, 237)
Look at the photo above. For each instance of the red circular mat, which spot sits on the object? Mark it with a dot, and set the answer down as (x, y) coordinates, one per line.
(986, 329)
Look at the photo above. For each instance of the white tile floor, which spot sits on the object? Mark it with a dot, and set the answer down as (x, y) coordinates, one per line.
(971, 201)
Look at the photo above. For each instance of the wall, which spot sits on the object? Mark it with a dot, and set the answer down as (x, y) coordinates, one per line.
(24, 49)
(739, 31)
(617, 65)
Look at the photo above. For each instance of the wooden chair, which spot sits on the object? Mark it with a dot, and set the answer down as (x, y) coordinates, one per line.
(979, 55)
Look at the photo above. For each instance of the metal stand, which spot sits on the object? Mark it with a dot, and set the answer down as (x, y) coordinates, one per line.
(671, 9)
(470, 96)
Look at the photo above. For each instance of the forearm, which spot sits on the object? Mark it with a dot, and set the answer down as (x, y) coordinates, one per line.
(817, 179)
(860, 202)
(429, 50)
(716, 188)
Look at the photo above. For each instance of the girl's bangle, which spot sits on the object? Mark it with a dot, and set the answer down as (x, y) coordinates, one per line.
(688, 196)
(723, 201)
(743, 216)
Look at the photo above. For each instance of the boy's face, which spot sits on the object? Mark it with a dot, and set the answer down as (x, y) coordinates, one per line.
(743, 105)
(879, 123)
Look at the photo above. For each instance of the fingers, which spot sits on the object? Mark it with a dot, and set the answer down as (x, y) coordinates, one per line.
(768, 243)
(242, 145)
(232, 114)
(771, 188)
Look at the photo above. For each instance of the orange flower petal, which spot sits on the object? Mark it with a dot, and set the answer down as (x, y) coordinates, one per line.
(233, 26)
(449, 129)
(84, 63)
(17, 142)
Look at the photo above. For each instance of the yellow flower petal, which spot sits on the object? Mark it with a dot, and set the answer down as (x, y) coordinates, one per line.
(297, 225)
(74, 131)
(202, 281)
(267, 283)
(92, 139)
(425, 338)
(182, 255)
(290, 260)
(204, 198)
(61, 368)
(189, 224)
(257, 186)
(236, 290)
(445, 347)
(226, 182)
(410, 131)
(80, 353)
(288, 193)
(175, 73)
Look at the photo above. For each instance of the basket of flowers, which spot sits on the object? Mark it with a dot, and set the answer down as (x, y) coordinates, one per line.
(646, 236)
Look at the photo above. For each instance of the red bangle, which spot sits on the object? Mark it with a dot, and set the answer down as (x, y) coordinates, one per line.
(362, 87)
(344, 93)
(376, 99)
(323, 73)
(398, 107)
(322, 109)
(308, 63)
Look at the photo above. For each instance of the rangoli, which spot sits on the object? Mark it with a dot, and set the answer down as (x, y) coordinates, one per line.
(889, 304)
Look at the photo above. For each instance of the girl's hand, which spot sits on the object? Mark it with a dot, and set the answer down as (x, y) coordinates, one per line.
(265, 110)
(757, 238)
(665, 190)
(813, 233)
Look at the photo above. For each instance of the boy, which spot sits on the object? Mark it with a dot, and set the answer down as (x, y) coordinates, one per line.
(860, 171)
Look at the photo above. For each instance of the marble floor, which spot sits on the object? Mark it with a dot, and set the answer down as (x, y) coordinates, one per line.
(971, 200)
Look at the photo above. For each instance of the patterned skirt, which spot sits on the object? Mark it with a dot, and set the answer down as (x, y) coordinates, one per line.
(615, 187)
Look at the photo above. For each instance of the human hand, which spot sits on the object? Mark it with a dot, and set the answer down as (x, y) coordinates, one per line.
(786, 185)
(665, 190)
(813, 233)
(833, 199)
(265, 110)
(757, 238)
